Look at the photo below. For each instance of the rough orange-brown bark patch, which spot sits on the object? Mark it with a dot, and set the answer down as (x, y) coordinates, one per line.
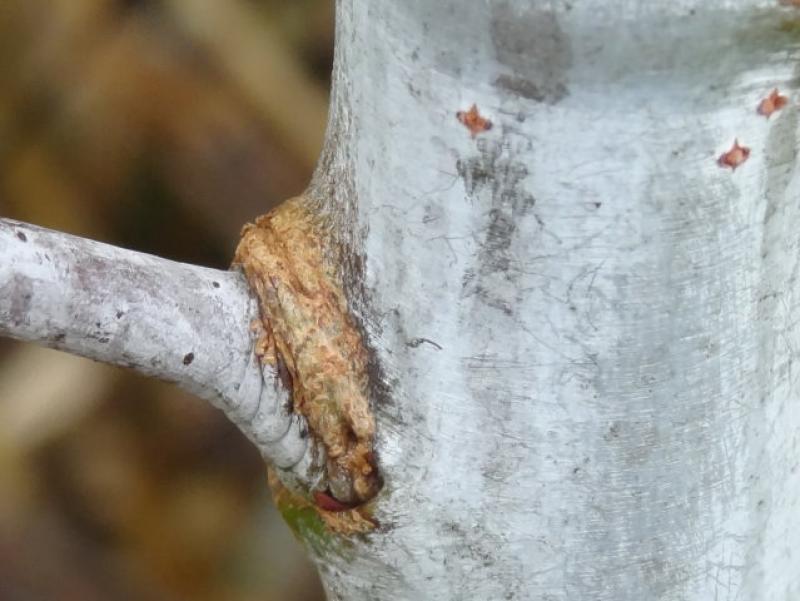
(290, 261)
(473, 121)
(795, 3)
(774, 102)
(735, 156)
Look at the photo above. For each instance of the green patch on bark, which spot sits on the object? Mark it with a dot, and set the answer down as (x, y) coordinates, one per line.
(773, 29)
(790, 26)
(307, 526)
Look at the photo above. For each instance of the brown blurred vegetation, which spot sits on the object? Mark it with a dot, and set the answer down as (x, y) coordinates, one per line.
(160, 125)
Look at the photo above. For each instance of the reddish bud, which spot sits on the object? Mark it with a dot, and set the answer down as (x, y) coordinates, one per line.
(328, 503)
(473, 121)
(774, 102)
(735, 156)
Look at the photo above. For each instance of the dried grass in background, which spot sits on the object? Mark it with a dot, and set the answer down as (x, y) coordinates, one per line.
(162, 126)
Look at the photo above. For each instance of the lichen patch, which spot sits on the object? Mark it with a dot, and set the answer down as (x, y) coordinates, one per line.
(290, 260)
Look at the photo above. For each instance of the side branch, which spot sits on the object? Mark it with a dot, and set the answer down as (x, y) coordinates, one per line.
(181, 323)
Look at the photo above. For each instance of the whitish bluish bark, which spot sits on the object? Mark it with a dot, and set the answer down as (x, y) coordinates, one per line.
(584, 326)
(182, 323)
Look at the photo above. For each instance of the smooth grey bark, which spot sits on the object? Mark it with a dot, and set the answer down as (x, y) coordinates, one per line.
(181, 323)
(584, 325)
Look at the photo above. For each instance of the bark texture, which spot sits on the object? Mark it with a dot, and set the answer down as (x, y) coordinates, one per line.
(176, 322)
(582, 319)
(291, 262)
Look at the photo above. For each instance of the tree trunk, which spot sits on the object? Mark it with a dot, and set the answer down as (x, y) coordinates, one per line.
(554, 247)
(579, 296)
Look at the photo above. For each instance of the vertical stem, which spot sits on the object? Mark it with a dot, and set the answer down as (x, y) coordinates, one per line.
(583, 323)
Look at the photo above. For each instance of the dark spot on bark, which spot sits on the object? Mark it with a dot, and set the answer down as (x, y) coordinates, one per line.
(215, 284)
(21, 291)
(528, 89)
(501, 174)
(103, 340)
(502, 227)
(378, 384)
(613, 431)
(98, 324)
(358, 298)
(473, 172)
(283, 374)
(495, 178)
(352, 437)
(467, 545)
(60, 337)
(120, 314)
(188, 358)
(22, 236)
(530, 43)
(415, 342)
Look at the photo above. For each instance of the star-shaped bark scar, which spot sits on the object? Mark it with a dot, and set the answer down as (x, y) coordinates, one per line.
(774, 102)
(473, 121)
(734, 157)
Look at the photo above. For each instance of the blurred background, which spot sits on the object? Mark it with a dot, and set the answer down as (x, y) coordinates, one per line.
(163, 126)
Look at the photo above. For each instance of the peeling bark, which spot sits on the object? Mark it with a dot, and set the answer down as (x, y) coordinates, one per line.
(291, 262)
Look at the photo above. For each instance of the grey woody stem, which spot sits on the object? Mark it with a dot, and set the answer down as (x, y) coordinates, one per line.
(578, 258)
(181, 323)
